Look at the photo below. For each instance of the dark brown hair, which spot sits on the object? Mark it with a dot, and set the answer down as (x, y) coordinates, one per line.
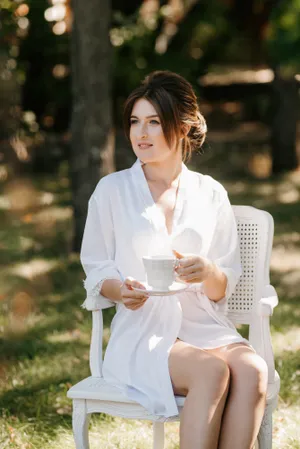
(175, 102)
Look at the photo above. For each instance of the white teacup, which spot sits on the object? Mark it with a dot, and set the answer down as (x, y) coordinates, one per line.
(160, 271)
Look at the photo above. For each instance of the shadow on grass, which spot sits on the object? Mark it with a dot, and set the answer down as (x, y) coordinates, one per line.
(44, 246)
(53, 316)
(33, 344)
(37, 400)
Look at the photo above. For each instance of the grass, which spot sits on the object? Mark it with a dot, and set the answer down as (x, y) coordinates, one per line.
(44, 334)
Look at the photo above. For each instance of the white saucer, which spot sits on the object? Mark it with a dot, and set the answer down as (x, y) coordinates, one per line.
(174, 288)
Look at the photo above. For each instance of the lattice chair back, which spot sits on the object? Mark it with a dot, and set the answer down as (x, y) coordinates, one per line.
(255, 229)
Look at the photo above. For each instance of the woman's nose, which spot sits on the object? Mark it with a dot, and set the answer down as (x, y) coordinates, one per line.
(143, 131)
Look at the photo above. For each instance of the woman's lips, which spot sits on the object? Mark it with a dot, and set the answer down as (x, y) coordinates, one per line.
(144, 146)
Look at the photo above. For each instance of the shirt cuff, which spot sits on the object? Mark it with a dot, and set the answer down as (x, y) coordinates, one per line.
(93, 284)
(98, 275)
(232, 280)
(97, 303)
(94, 300)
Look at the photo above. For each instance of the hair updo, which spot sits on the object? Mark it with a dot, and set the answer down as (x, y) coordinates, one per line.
(175, 101)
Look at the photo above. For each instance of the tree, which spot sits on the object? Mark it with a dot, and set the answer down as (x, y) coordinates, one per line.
(272, 27)
(92, 146)
(283, 40)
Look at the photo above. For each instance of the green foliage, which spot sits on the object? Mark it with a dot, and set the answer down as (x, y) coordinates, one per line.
(207, 37)
(8, 22)
(136, 46)
(283, 37)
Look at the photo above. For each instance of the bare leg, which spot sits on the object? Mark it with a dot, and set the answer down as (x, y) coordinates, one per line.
(204, 381)
(245, 405)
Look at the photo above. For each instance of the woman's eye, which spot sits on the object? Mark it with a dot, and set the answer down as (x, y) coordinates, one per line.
(133, 121)
(154, 122)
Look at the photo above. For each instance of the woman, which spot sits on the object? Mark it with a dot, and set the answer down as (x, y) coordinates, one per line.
(182, 344)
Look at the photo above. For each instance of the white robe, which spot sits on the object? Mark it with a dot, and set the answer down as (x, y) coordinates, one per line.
(123, 224)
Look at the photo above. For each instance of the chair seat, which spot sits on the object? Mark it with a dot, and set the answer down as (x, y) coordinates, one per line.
(96, 388)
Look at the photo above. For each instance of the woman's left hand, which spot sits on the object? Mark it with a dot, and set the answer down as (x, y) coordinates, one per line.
(192, 268)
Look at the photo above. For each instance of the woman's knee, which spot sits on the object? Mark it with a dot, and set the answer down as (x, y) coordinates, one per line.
(251, 372)
(193, 368)
(214, 374)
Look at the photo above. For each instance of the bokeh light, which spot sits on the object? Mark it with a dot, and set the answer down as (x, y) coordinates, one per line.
(22, 10)
(48, 121)
(238, 76)
(11, 64)
(21, 195)
(59, 28)
(20, 148)
(116, 37)
(60, 71)
(3, 175)
(55, 13)
(23, 23)
(29, 117)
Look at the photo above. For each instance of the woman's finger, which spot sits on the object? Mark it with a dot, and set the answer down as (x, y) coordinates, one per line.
(189, 277)
(130, 296)
(133, 305)
(196, 267)
(131, 282)
(187, 262)
(177, 254)
(129, 292)
(133, 293)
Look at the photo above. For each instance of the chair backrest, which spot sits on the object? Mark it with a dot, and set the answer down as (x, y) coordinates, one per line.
(255, 229)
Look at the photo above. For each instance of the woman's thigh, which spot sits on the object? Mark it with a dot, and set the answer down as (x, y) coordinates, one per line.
(191, 366)
(227, 351)
(234, 353)
(246, 366)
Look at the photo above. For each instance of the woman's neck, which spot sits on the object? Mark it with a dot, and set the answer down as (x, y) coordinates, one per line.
(163, 172)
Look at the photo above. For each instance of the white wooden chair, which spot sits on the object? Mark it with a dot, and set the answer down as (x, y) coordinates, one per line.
(252, 304)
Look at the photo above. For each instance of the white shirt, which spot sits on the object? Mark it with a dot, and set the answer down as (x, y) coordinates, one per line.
(123, 224)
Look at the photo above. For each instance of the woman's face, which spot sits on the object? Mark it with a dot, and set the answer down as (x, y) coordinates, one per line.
(146, 134)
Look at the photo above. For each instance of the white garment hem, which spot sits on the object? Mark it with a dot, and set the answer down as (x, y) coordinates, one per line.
(243, 341)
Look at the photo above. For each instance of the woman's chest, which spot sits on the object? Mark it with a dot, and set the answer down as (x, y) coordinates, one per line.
(165, 201)
(150, 229)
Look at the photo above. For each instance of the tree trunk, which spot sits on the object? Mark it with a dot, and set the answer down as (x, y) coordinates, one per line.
(285, 105)
(92, 154)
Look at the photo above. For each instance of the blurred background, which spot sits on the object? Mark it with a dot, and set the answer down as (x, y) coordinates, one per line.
(65, 71)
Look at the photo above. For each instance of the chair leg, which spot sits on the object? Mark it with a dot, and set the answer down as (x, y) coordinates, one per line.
(80, 421)
(158, 435)
(265, 432)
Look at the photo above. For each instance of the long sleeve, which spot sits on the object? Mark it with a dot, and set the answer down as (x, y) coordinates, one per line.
(98, 249)
(224, 250)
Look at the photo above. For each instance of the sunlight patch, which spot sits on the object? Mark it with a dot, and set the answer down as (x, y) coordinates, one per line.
(287, 341)
(284, 259)
(35, 267)
(286, 430)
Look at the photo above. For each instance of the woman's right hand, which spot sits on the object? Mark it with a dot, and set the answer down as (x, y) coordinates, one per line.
(132, 299)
